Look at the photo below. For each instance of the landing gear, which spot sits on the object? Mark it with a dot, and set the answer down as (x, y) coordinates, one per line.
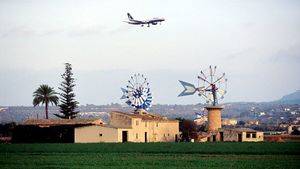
(142, 25)
(148, 25)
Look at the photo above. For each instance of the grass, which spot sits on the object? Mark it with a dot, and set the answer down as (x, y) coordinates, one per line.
(151, 155)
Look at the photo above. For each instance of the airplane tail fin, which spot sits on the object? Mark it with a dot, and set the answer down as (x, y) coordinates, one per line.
(129, 16)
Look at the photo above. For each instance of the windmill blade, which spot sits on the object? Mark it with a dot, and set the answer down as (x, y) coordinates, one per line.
(201, 90)
(124, 96)
(223, 75)
(211, 74)
(134, 102)
(128, 102)
(138, 103)
(215, 69)
(199, 77)
(210, 97)
(221, 92)
(203, 74)
(131, 84)
(189, 89)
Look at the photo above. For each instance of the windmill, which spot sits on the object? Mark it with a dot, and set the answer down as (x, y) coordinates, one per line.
(211, 87)
(137, 92)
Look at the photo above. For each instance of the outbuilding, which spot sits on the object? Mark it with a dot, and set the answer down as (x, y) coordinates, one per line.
(50, 130)
(232, 135)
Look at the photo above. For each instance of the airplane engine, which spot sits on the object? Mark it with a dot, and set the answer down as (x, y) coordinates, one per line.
(154, 23)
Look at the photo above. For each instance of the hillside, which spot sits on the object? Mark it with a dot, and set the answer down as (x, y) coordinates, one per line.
(293, 98)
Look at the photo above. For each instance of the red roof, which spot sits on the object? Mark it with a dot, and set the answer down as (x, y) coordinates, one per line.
(145, 116)
(58, 122)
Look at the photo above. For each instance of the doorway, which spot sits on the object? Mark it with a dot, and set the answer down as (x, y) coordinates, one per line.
(221, 136)
(146, 137)
(214, 138)
(240, 137)
(124, 136)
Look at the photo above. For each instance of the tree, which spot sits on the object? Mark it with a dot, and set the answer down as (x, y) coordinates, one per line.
(241, 123)
(45, 95)
(187, 128)
(67, 97)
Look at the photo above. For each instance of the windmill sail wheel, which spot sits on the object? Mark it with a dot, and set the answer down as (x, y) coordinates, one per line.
(137, 92)
(211, 86)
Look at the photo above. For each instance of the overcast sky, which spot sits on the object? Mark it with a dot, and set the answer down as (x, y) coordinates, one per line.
(256, 42)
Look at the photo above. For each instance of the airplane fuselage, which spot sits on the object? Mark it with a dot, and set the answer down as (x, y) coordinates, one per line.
(153, 21)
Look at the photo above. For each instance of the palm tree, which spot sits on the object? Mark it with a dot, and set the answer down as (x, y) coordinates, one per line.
(45, 95)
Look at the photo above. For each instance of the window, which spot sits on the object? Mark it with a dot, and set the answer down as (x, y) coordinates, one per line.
(145, 124)
(137, 122)
(168, 134)
(254, 135)
(164, 135)
(100, 134)
(156, 124)
(137, 136)
(247, 135)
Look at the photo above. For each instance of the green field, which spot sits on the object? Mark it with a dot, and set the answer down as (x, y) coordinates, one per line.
(151, 155)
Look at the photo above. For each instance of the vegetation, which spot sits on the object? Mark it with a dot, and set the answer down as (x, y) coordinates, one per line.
(45, 95)
(151, 155)
(67, 96)
(188, 129)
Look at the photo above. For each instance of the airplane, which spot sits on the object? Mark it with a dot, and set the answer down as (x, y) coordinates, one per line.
(153, 21)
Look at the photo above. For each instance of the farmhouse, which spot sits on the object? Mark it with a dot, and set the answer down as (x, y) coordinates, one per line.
(128, 127)
(232, 135)
(139, 126)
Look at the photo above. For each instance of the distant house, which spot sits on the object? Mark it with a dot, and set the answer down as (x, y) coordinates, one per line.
(242, 135)
(229, 122)
(233, 135)
(200, 120)
(50, 130)
(128, 127)
(252, 122)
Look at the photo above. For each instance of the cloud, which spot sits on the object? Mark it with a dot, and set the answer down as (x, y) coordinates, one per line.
(27, 31)
(238, 54)
(290, 55)
(120, 29)
(97, 29)
(74, 31)
(19, 31)
(86, 30)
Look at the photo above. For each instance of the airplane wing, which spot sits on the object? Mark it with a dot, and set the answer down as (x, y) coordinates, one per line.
(135, 22)
(154, 21)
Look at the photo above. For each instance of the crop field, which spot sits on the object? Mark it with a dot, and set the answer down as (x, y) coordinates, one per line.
(151, 155)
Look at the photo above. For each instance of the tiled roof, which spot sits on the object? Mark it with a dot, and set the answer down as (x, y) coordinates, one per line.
(56, 122)
(147, 116)
(240, 129)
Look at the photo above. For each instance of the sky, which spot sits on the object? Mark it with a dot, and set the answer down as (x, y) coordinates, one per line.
(256, 42)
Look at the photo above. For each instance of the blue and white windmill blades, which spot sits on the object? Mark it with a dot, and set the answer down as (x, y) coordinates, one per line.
(137, 93)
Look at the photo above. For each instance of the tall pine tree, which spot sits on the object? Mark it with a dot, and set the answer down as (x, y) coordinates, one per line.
(68, 104)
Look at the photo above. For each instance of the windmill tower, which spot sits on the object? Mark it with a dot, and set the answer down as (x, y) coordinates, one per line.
(211, 87)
